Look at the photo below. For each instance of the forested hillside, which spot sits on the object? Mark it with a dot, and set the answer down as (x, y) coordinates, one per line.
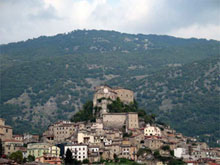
(49, 78)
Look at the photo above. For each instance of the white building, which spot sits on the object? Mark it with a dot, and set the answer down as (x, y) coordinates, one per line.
(79, 151)
(179, 152)
(84, 137)
(107, 141)
(152, 131)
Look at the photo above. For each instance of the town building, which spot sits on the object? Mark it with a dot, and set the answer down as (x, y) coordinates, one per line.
(37, 149)
(54, 151)
(59, 131)
(93, 153)
(41, 149)
(5, 130)
(18, 137)
(153, 143)
(79, 151)
(179, 152)
(11, 146)
(85, 137)
(152, 131)
(48, 159)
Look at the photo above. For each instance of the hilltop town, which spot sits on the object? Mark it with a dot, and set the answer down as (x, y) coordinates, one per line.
(114, 131)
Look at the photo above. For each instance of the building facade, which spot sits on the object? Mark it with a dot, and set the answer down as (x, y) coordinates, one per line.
(84, 137)
(38, 149)
(152, 131)
(59, 131)
(79, 151)
(11, 146)
(5, 130)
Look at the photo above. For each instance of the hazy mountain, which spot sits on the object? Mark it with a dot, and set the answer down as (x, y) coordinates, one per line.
(48, 78)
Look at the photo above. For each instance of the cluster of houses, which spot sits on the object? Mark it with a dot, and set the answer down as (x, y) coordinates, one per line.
(120, 135)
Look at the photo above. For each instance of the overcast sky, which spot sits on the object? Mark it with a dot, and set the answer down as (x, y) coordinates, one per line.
(25, 19)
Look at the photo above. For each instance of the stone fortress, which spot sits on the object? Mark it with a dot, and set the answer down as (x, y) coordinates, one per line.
(103, 96)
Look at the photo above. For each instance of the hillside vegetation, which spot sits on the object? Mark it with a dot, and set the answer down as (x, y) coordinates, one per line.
(116, 106)
(50, 78)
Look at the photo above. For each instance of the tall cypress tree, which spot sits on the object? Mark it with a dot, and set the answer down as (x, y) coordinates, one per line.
(1, 148)
(69, 157)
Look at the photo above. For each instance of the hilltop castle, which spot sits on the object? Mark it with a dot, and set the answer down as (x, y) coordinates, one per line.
(104, 95)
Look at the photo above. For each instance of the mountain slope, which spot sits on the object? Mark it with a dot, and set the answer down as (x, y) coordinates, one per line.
(186, 97)
(48, 78)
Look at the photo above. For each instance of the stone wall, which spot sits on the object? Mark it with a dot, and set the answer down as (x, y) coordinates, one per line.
(114, 120)
(132, 120)
(125, 95)
(118, 120)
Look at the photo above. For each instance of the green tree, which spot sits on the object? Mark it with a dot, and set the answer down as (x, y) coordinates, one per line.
(176, 162)
(86, 161)
(17, 156)
(116, 158)
(30, 158)
(165, 148)
(85, 114)
(157, 154)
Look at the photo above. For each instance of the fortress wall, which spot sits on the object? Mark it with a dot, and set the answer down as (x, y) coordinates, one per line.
(132, 121)
(114, 120)
(125, 95)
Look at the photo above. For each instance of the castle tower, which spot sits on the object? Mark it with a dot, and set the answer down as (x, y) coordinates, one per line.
(105, 95)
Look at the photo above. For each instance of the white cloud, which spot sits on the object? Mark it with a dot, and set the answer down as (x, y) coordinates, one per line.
(209, 31)
(25, 19)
